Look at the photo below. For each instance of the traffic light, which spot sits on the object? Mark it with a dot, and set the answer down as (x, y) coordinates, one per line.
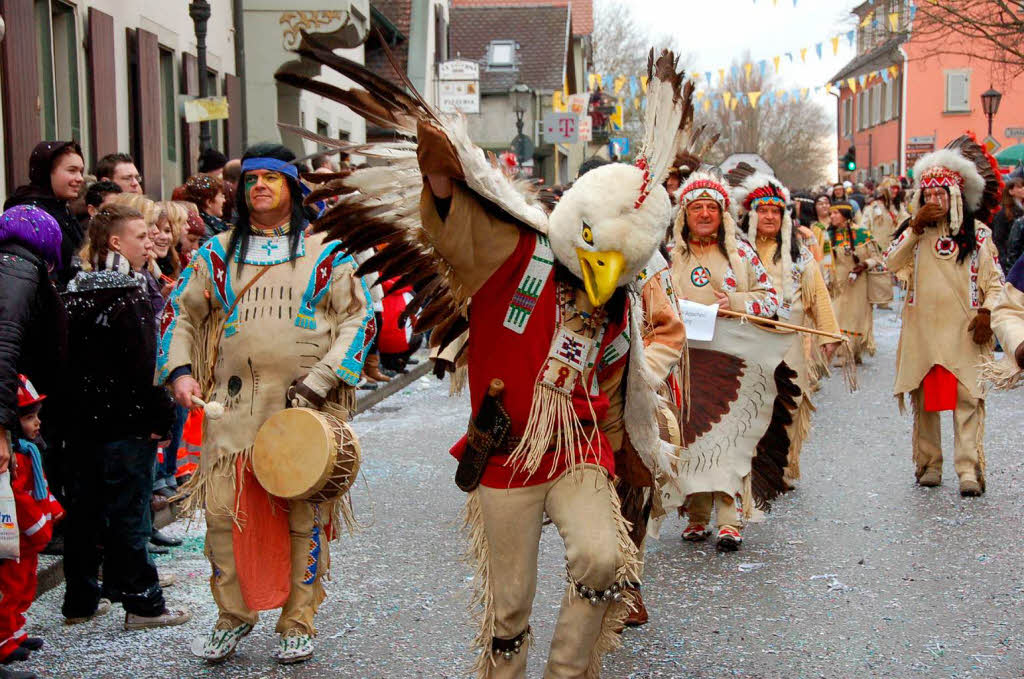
(849, 161)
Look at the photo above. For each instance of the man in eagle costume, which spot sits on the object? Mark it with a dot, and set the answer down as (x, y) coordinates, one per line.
(555, 365)
(945, 252)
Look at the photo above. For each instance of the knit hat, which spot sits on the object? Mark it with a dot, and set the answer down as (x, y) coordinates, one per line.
(34, 228)
(27, 394)
(211, 160)
(196, 225)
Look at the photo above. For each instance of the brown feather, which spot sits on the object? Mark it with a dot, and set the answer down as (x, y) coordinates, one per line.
(324, 177)
(388, 257)
(441, 308)
(738, 174)
(772, 453)
(422, 298)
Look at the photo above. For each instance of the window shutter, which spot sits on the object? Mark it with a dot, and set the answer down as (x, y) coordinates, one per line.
(21, 89)
(147, 149)
(102, 84)
(957, 87)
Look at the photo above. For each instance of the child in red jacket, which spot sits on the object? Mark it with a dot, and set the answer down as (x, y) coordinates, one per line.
(37, 510)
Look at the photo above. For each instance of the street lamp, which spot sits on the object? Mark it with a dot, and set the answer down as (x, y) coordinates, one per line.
(199, 10)
(521, 96)
(990, 105)
(522, 146)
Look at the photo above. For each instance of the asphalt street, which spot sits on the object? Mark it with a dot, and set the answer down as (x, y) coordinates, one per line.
(858, 573)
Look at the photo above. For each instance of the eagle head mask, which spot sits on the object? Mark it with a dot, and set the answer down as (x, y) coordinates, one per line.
(602, 233)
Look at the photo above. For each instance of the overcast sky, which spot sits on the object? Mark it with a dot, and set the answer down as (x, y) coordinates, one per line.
(717, 32)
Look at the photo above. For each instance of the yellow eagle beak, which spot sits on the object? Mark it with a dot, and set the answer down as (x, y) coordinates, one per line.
(601, 271)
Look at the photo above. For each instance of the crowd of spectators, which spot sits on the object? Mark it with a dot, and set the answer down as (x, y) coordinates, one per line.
(87, 263)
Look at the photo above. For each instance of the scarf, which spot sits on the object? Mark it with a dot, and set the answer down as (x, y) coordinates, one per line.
(40, 489)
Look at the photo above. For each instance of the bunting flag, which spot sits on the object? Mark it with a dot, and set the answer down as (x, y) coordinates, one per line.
(557, 103)
(803, 54)
(707, 104)
(594, 79)
(707, 75)
(643, 83)
(721, 75)
(817, 48)
(803, 92)
(835, 45)
(775, 61)
(634, 86)
(762, 65)
(620, 82)
(727, 98)
(894, 71)
(753, 97)
(852, 82)
(747, 67)
(867, 19)
(851, 36)
(894, 21)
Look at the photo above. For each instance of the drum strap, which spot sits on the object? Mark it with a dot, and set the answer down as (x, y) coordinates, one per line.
(220, 331)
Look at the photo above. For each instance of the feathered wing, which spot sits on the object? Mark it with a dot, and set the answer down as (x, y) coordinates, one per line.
(378, 206)
(736, 176)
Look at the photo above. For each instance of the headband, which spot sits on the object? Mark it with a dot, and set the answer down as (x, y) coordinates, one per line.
(705, 189)
(273, 164)
(941, 177)
(768, 200)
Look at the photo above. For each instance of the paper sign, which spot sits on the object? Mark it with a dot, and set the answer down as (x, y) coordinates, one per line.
(699, 320)
(209, 108)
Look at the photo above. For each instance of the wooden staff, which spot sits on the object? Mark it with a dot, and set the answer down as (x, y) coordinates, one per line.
(778, 324)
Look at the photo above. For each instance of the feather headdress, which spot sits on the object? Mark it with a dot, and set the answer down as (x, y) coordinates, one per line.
(970, 174)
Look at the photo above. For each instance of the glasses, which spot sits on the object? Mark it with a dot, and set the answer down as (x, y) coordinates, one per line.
(131, 177)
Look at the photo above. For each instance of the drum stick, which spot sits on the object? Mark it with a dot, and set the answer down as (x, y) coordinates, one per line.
(778, 324)
(212, 409)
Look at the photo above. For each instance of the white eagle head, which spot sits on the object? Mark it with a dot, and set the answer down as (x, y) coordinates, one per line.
(600, 232)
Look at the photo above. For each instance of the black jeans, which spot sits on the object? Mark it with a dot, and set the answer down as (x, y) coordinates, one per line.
(110, 486)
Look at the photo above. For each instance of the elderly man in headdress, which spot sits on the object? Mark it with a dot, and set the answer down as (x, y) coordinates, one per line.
(954, 281)
(261, 319)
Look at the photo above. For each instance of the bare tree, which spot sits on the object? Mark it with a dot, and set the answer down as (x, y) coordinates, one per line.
(621, 47)
(988, 30)
(793, 136)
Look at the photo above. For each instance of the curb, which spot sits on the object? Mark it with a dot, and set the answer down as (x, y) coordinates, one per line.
(53, 575)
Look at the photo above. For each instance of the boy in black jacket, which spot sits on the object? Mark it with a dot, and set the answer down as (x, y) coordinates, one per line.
(117, 424)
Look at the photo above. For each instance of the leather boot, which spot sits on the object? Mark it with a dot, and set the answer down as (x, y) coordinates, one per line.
(638, 616)
(372, 369)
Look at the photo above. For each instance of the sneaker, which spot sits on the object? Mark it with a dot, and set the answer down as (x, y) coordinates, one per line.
(16, 674)
(166, 579)
(930, 478)
(696, 532)
(728, 540)
(296, 646)
(970, 488)
(102, 608)
(157, 549)
(221, 643)
(19, 654)
(169, 618)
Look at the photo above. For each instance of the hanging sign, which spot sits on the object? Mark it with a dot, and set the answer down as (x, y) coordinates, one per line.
(208, 108)
(458, 96)
(561, 127)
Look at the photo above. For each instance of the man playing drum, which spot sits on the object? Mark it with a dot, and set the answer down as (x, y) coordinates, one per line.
(263, 319)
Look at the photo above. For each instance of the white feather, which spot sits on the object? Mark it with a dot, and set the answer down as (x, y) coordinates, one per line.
(974, 184)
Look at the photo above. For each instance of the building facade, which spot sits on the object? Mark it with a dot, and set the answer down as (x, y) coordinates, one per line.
(898, 99)
(113, 74)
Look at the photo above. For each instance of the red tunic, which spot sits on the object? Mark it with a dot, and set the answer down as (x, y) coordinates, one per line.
(496, 352)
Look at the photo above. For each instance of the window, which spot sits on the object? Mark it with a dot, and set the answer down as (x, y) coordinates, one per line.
(57, 58)
(324, 130)
(848, 116)
(211, 91)
(876, 105)
(958, 89)
(501, 54)
(862, 114)
(167, 95)
(883, 90)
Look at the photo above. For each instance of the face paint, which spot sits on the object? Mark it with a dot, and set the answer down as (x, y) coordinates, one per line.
(264, 183)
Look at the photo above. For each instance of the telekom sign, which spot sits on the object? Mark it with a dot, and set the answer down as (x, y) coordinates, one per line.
(561, 127)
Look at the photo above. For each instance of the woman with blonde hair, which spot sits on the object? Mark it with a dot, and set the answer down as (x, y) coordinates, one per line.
(172, 222)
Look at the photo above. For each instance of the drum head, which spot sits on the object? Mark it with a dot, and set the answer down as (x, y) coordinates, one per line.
(293, 453)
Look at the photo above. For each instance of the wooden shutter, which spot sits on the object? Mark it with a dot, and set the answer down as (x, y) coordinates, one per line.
(20, 93)
(146, 146)
(102, 85)
(189, 131)
(957, 87)
(233, 127)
